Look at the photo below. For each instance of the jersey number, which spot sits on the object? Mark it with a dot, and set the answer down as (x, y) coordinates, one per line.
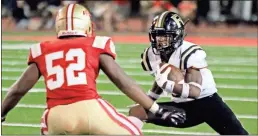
(61, 72)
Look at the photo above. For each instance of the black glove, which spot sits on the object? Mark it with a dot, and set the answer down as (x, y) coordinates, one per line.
(3, 119)
(172, 114)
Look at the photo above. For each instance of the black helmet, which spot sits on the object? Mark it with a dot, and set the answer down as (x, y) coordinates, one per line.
(167, 24)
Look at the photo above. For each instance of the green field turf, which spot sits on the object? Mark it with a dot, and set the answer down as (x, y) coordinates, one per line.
(234, 69)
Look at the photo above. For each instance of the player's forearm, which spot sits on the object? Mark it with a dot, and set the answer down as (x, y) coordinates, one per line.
(155, 92)
(27, 80)
(187, 90)
(10, 101)
(190, 86)
(133, 91)
(156, 89)
(124, 82)
(129, 87)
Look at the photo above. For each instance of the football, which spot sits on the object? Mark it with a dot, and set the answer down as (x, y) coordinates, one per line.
(138, 111)
(175, 74)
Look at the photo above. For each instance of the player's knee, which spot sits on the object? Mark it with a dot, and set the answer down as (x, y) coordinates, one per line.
(242, 131)
(235, 127)
(238, 128)
(136, 121)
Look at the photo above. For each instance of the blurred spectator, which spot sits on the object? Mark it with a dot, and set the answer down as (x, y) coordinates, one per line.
(135, 8)
(111, 12)
(254, 16)
(202, 10)
(156, 7)
(185, 8)
(129, 15)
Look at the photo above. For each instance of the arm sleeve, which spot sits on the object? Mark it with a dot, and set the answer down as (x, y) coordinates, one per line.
(193, 56)
(34, 52)
(30, 58)
(105, 45)
(110, 49)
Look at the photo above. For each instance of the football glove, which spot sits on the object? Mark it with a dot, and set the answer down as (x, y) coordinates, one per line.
(172, 114)
(162, 79)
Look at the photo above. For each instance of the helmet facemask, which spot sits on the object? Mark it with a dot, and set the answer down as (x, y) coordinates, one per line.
(164, 43)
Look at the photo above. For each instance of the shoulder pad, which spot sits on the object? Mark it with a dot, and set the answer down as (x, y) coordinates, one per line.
(149, 60)
(145, 62)
(35, 50)
(100, 42)
(186, 54)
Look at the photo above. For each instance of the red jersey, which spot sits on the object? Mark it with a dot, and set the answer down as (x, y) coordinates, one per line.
(70, 67)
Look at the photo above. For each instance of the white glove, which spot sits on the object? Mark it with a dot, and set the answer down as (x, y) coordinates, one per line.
(161, 78)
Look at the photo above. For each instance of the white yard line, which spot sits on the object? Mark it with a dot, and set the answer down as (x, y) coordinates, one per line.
(210, 61)
(26, 46)
(144, 130)
(100, 81)
(22, 46)
(16, 46)
(124, 110)
(118, 93)
(234, 69)
(218, 76)
(136, 59)
(15, 57)
(137, 62)
(104, 81)
(214, 69)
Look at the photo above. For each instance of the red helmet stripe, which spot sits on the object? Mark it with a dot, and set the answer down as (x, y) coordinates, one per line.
(66, 24)
(72, 15)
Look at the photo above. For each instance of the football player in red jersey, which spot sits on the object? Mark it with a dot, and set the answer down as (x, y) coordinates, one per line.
(70, 65)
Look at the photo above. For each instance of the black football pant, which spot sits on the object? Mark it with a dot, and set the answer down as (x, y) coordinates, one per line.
(211, 110)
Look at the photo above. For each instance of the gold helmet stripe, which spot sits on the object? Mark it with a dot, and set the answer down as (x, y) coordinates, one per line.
(162, 18)
(69, 17)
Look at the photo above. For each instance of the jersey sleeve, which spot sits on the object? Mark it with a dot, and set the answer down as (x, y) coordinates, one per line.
(194, 56)
(106, 45)
(110, 48)
(34, 52)
(149, 61)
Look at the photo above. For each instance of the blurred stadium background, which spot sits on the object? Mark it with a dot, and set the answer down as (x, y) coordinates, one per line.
(226, 29)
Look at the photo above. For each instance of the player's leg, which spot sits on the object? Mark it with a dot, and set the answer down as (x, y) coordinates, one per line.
(221, 118)
(105, 120)
(193, 115)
